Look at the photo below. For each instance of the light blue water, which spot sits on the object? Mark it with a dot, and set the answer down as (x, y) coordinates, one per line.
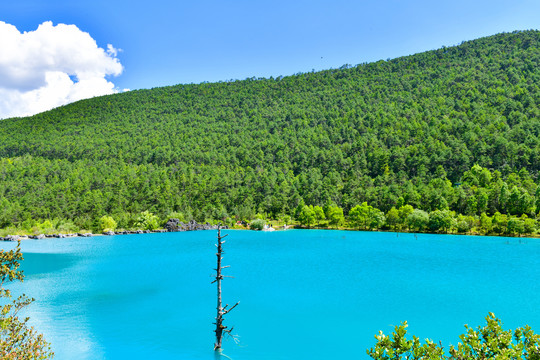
(304, 294)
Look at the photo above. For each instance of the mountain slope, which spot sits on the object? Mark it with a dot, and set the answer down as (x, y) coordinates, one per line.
(373, 132)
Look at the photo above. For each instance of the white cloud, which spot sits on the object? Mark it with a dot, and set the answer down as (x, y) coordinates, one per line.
(51, 66)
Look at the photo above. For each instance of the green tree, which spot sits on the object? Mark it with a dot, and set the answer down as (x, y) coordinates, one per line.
(485, 223)
(515, 226)
(503, 198)
(358, 215)
(440, 220)
(335, 216)
(147, 221)
(537, 200)
(529, 225)
(392, 218)
(319, 214)
(107, 223)
(299, 209)
(404, 212)
(307, 215)
(46, 226)
(520, 202)
(472, 205)
(285, 219)
(499, 223)
(417, 220)
(484, 177)
(175, 215)
(376, 219)
(17, 339)
(242, 211)
(463, 224)
(481, 201)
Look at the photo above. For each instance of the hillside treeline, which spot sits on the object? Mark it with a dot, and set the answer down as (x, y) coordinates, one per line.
(455, 128)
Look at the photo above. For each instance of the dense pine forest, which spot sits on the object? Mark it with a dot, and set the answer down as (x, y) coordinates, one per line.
(446, 140)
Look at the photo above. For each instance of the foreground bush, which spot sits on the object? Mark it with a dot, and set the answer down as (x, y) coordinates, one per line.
(17, 339)
(488, 342)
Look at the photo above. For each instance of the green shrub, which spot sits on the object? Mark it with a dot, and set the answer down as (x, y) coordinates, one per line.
(488, 342)
(107, 223)
(257, 224)
(463, 226)
(417, 220)
(147, 221)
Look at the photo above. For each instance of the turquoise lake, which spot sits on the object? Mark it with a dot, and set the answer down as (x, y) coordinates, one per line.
(304, 294)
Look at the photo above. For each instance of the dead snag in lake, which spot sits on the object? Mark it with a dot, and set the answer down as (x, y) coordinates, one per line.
(221, 310)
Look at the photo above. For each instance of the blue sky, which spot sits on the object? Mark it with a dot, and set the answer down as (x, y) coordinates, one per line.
(166, 42)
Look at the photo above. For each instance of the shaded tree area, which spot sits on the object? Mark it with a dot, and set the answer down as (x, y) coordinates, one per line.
(454, 129)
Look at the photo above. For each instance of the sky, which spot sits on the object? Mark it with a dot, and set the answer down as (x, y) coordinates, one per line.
(57, 51)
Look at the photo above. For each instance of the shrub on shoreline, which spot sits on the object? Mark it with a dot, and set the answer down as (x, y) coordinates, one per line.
(257, 224)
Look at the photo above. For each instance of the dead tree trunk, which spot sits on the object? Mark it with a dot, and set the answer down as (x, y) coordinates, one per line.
(221, 311)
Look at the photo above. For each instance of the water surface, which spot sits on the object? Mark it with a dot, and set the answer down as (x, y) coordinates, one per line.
(304, 294)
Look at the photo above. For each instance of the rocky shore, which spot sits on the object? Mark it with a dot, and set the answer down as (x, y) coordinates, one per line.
(42, 236)
(172, 225)
(177, 225)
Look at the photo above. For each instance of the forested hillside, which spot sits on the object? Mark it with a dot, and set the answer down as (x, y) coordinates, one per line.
(391, 133)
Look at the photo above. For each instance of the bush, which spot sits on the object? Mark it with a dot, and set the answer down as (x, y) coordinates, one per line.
(17, 339)
(440, 220)
(417, 220)
(46, 226)
(463, 226)
(285, 219)
(107, 223)
(147, 221)
(530, 225)
(257, 224)
(176, 215)
(488, 342)
(67, 226)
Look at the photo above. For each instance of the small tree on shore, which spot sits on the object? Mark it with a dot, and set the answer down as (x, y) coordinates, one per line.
(319, 214)
(335, 216)
(257, 224)
(307, 216)
(417, 220)
(358, 215)
(107, 223)
(147, 221)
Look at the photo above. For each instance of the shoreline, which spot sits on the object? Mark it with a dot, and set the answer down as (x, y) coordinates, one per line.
(14, 238)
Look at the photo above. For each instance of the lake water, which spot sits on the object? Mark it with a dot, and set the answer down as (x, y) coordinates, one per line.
(304, 294)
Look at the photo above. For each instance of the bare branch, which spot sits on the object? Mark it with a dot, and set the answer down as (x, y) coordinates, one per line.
(228, 311)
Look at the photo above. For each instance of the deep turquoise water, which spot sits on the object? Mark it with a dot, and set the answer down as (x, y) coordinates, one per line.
(304, 294)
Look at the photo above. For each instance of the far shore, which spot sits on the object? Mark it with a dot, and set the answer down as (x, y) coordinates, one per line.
(25, 236)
